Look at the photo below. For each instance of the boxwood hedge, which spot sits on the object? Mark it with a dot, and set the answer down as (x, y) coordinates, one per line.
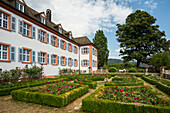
(92, 85)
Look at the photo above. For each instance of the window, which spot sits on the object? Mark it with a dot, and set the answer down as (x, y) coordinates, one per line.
(75, 62)
(54, 41)
(62, 44)
(43, 58)
(13, 24)
(63, 61)
(42, 36)
(4, 52)
(70, 62)
(85, 63)
(26, 29)
(70, 47)
(5, 20)
(59, 30)
(93, 63)
(54, 59)
(42, 20)
(19, 6)
(75, 49)
(70, 36)
(27, 55)
(85, 50)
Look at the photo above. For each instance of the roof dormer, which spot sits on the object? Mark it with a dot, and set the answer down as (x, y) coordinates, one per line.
(59, 28)
(20, 4)
(68, 34)
(41, 16)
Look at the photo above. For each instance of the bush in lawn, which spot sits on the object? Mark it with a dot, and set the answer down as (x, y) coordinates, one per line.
(112, 69)
(132, 70)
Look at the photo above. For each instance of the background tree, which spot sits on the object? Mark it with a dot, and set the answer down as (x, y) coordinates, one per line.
(101, 42)
(139, 37)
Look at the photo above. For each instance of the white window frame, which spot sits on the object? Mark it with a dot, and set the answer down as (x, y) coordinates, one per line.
(53, 41)
(26, 55)
(42, 57)
(62, 61)
(42, 35)
(4, 20)
(85, 63)
(54, 59)
(19, 6)
(62, 44)
(26, 29)
(3, 53)
(42, 20)
(85, 50)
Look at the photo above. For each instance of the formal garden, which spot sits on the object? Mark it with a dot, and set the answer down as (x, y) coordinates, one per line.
(124, 92)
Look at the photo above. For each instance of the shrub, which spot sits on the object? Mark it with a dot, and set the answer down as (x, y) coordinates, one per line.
(91, 84)
(132, 70)
(112, 69)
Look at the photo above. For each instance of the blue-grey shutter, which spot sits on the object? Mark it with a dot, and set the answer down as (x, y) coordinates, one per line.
(77, 62)
(20, 29)
(72, 62)
(33, 56)
(51, 59)
(58, 42)
(12, 52)
(81, 50)
(51, 39)
(20, 57)
(58, 60)
(66, 61)
(66, 45)
(47, 38)
(33, 32)
(39, 34)
(47, 58)
(88, 50)
(13, 24)
(87, 62)
(39, 57)
(72, 48)
(81, 63)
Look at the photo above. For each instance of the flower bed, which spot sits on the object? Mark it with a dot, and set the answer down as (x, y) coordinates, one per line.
(125, 99)
(90, 83)
(124, 80)
(55, 94)
(6, 88)
(158, 84)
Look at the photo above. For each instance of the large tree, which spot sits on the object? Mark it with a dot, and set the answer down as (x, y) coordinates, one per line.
(139, 37)
(101, 42)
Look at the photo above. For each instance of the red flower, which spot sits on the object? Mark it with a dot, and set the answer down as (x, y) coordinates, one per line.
(58, 89)
(117, 90)
(116, 87)
(135, 98)
(53, 89)
(109, 92)
(80, 83)
(48, 90)
(145, 92)
(148, 100)
(26, 66)
(138, 98)
(156, 97)
(62, 80)
(144, 98)
(142, 89)
(125, 87)
(47, 82)
(136, 102)
(164, 102)
(126, 94)
(127, 98)
(69, 79)
(158, 102)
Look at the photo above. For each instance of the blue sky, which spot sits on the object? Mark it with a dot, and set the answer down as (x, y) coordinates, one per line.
(85, 17)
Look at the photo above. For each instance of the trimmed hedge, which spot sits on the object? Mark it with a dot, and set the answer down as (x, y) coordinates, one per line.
(124, 84)
(49, 99)
(95, 105)
(7, 91)
(138, 75)
(159, 85)
(92, 85)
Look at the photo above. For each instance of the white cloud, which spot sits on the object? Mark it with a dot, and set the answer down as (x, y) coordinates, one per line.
(151, 4)
(117, 50)
(84, 17)
(115, 54)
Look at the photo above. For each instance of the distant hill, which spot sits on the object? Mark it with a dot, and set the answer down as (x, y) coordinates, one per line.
(114, 61)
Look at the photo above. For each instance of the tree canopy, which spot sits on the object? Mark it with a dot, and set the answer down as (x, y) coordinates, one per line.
(101, 42)
(139, 37)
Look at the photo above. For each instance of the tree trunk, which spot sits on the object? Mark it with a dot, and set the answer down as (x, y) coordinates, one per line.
(138, 63)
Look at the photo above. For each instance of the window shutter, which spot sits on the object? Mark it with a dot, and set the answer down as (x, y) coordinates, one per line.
(81, 50)
(58, 60)
(47, 38)
(81, 63)
(73, 62)
(66, 45)
(77, 62)
(20, 29)
(20, 55)
(66, 61)
(51, 59)
(13, 24)
(12, 52)
(72, 48)
(87, 62)
(39, 34)
(47, 58)
(33, 32)
(61, 60)
(58, 42)
(39, 57)
(88, 50)
(33, 56)
(51, 39)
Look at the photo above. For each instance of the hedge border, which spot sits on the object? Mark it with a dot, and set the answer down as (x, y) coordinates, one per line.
(124, 84)
(49, 99)
(92, 85)
(7, 91)
(95, 105)
(159, 85)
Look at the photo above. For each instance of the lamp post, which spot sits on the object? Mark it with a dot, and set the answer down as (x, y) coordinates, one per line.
(146, 70)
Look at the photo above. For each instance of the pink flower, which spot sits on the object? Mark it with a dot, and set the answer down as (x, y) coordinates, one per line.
(26, 66)
(146, 86)
(125, 87)
(132, 92)
(19, 72)
(164, 102)
(70, 86)
(47, 82)
(60, 89)
(48, 90)
(126, 94)
(117, 90)
(142, 89)
(136, 102)
(116, 87)
(144, 98)
(80, 83)
(53, 89)
(148, 100)
(145, 92)
(66, 86)
(156, 97)
(69, 79)
(135, 98)
(127, 98)
(158, 102)
(138, 98)
(62, 80)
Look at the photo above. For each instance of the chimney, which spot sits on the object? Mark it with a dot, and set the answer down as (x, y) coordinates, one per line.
(48, 14)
